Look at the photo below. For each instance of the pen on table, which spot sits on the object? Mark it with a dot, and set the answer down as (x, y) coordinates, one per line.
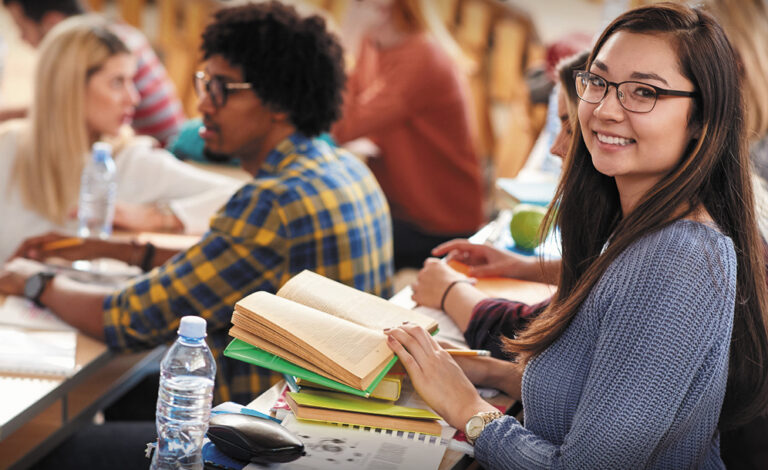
(63, 243)
(468, 352)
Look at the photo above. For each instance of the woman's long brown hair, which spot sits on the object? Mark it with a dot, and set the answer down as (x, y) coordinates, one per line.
(714, 172)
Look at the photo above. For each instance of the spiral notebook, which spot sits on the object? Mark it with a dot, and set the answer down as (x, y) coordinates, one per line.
(19, 393)
(37, 352)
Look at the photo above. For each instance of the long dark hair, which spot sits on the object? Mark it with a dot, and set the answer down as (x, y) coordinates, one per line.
(714, 172)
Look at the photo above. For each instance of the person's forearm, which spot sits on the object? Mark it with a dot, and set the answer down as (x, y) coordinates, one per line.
(80, 305)
(550, 271)
(537, 270)
(12, 113)
(505, 376)
(460, 302)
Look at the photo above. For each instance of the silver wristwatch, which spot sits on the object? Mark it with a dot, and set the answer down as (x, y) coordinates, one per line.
(478, 422)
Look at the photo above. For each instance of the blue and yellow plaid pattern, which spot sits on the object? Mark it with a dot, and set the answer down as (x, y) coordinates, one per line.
(311, 206)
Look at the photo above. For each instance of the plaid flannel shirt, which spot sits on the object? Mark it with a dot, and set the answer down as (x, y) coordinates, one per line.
(311, 206)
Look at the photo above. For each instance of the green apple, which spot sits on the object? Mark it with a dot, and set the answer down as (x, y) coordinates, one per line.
(524, 226)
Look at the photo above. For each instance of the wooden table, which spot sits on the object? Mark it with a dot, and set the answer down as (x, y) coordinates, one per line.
(30, 431)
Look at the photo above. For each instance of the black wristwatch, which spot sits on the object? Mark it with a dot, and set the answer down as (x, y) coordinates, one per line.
(35, 286)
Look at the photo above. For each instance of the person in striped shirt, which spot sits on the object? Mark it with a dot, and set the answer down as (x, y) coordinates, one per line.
(158, 114)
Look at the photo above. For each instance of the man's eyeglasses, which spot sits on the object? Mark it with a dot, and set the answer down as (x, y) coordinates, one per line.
(636, 97)
(217, 88)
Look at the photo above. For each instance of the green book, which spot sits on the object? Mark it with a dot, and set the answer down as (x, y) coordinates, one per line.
(243, 351)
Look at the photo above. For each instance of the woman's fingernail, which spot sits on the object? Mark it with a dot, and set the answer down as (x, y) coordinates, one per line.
(387, 330)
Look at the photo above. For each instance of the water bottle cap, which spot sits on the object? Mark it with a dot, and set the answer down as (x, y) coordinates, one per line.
(101, 150)
(192, 327)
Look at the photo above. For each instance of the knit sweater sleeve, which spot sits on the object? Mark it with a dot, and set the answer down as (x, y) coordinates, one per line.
(657, 327)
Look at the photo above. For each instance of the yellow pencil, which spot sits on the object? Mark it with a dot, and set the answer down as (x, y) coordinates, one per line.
(63, 243)
(468, 352)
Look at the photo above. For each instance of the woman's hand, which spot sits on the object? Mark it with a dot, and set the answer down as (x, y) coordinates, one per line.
(487, 261)
(504, 375)
(432, 281)
(145, 218)
(437, 378)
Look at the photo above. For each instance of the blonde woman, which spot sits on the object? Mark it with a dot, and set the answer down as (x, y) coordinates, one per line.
(84, 93)
(407, 95)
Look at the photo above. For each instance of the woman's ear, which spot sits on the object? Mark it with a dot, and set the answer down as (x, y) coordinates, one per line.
(694, 131)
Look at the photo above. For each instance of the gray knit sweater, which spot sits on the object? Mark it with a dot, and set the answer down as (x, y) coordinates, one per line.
(638, 377)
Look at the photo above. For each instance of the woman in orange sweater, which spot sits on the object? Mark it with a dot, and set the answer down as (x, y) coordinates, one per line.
(407, 95)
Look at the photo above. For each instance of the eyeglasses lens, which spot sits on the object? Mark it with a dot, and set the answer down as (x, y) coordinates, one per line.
(633, 96)
(213, 87)
(637, 97)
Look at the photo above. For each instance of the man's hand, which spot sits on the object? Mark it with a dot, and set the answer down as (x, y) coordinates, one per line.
(14, 275)
(46, 246)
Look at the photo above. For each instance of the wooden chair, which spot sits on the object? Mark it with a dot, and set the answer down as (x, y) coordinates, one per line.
(502, 41)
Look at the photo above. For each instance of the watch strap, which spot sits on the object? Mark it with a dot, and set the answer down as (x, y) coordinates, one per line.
(487, 417)
(40, 281)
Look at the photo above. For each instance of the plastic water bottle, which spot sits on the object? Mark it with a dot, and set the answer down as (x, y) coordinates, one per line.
(98, 189)
(184, 399)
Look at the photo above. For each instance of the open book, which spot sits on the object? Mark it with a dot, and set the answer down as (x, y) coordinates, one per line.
(323, 326)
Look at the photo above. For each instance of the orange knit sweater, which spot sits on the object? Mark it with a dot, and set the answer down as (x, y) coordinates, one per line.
(411, 101)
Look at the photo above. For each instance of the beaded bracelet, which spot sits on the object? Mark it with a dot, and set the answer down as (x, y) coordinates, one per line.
(448, 289)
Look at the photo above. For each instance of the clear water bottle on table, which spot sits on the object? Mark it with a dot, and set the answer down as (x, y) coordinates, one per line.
(184, 399)
(98, 190)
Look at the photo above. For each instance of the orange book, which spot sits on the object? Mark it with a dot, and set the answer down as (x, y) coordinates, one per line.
(528, 292)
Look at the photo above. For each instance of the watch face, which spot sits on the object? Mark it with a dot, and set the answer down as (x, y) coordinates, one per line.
(475, 426)
(33, 286)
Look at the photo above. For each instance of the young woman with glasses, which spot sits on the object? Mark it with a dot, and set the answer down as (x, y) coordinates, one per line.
(657, 334)
(83, 93)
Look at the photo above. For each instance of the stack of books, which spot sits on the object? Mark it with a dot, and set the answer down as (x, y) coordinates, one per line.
(330, 337)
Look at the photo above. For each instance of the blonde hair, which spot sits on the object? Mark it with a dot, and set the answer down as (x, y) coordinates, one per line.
(746, 24)
(52, 149)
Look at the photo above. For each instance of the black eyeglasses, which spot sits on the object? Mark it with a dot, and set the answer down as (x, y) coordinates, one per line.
(637, 97)
(217, 88)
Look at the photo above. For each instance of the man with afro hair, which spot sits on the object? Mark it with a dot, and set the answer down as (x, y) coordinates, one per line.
(271, 81)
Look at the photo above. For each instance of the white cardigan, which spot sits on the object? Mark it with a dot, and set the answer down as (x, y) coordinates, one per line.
(145, 174)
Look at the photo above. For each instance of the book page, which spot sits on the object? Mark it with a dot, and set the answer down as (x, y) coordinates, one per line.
(243, 335)
(345, 302)
(354, 348)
